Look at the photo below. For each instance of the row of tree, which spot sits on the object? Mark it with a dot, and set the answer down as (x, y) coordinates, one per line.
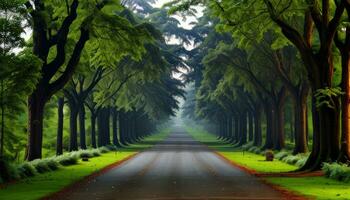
(104, 60)
(281, 54)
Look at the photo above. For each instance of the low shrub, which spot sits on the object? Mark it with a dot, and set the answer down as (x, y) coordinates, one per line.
(104, 149)
(112, 147)
(282, 154)
(45, 165)
(96, 152)
(8, 171)
(301, 162)
(52, 163)
(247, 146)
(255, 150)
(291, 159)
(26, 170)
(340, 172)
(67, 159)
(85, 154)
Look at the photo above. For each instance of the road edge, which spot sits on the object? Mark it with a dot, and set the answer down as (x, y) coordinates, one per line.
(86, 179)
(288, 194)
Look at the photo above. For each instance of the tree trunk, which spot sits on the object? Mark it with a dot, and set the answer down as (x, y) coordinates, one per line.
(237, 128)
(115, 127)
(280, 135)
(103, 127)
(243, 129)
(59, 144)
(300, 124)
(326, 142)
(93, 130)
(257, 123)
(36, 103)
(271, 125)
(82, 127)
(122, 128)
(73, 133)
(345, 136)
(251, 126)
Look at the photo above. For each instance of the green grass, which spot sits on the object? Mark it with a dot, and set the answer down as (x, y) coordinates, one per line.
(244, 158)
(44, 184)
(315, 187)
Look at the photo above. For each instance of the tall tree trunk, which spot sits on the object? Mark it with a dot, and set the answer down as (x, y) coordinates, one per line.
(237, 128)
(103, 127)
(36, 103)
(257, 127)
(115, 127)
(345, 136)
(326, 142)
(271, 125)
(122, 128)
(73, 133)
(82, 126)
(230, 129)
(59, 143)
(93, 130)
(243, 129)
(300, 124)
(251, 126)
(280, 135)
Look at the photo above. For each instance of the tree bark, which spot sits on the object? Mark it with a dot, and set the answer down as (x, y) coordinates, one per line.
(93, 130)
(103, 127)
(271, 125)
(59, 144)
(73, 133)
(243, 129)
(36, 103)
(300, 124)
(344, 49)
(251, 126)
(115, 127)
(82, 126)
(280, 135)
(257, 127)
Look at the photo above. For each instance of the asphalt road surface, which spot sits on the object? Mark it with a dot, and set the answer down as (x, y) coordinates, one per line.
(177, 168)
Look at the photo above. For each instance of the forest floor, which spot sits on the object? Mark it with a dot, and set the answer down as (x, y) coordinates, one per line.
(312, 185)
(46, 184)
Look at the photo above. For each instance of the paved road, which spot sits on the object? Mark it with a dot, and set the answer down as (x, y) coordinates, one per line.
(177, 168)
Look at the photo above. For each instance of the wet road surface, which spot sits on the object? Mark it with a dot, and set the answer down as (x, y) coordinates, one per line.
(177, 168)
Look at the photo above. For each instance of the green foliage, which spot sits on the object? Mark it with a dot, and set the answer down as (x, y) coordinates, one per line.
(26, 170)
(298, 160)
(281, 155)
(67, 159)
(104, 149)
(340, 172)
(45, 165)
(112, 147)
(328, 97)
(8, 171)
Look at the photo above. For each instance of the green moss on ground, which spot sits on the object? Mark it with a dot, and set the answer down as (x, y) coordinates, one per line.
(44, 184)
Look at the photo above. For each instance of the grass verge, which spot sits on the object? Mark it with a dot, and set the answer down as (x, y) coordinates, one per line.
(42, 185)
(312, 187)
(244, 158)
